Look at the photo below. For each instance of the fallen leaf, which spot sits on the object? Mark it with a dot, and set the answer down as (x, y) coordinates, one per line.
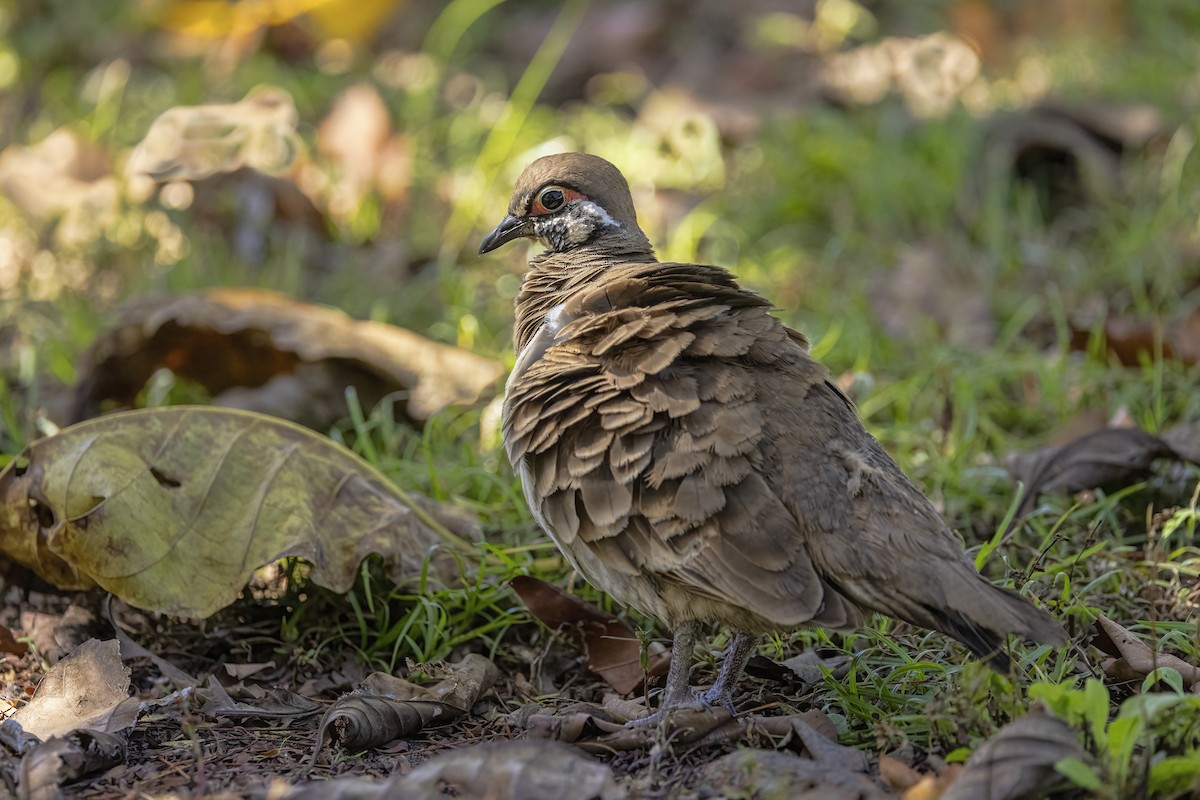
(829, 771)
(172, 509)
(278, 703)
(1108, 458)
(80, 691)
(1069, 157)
(354, 137)
(1134, 341)
(75, 755)
(241, 671)
(194, 142)
(262, 351)
(1017, 760)
(387, 708)
(1135, 657)
(528, 770)
(611, 647)
(810, 666)
(9, 643)
(898, 775)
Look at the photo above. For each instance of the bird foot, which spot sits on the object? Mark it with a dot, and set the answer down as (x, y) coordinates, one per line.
(693, 701)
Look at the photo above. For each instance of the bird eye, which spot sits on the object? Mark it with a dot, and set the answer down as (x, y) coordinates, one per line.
(552, 198)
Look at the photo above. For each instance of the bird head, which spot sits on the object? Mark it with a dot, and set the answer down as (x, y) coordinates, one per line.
(567, 201)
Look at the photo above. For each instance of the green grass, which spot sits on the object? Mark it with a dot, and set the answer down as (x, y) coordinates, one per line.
(815, 213)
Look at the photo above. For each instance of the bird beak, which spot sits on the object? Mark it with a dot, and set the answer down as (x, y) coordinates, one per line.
(509, 228)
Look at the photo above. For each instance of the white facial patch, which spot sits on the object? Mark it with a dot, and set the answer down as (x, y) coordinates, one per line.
(585, 218)
(576, 225)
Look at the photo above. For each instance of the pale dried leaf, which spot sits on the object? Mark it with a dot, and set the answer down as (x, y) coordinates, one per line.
(1140, 657)
(193, 142)
(80, 691)
(898, 775)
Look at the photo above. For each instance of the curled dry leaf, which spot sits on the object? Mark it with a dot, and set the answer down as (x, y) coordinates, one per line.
(278, 703)
(386, 708)
(1070, 157)
(263, 351)
(172, 509)
(193, 142)
(1134, 659)
(1108, 458)
(64, 759)
(1019, 759)
(612, 648)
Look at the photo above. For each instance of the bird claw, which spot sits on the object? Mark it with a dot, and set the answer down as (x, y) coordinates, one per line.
(694, 700)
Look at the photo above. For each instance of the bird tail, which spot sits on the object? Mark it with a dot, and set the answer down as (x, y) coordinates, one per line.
(961, 603)
(982, 615)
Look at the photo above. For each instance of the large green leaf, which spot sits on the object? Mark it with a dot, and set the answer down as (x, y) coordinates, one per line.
(172, 509)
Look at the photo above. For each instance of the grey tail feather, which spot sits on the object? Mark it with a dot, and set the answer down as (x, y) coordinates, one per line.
(1012, 614)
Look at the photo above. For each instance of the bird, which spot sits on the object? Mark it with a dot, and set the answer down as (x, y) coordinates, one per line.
(690, 458)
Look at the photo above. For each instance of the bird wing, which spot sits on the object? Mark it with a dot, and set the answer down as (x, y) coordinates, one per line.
(639, 424)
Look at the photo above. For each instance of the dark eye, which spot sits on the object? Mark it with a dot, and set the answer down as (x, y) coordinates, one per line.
(552, 198)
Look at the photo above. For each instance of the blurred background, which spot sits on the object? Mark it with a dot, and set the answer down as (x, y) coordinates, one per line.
(906, 180)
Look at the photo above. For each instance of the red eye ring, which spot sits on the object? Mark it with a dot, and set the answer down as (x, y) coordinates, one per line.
(553, 198)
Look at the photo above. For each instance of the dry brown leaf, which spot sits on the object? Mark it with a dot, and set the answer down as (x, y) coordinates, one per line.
(1069, 157)
(931, 787)
(1018, 759)
(612, 648)
(172, 509)
(262, 351)
(1109, 458)
(898, 775)
(354, 137)
(1136, 658)
(278, 703)
(9, 643)
(61, 760)
(369, 717)
(810, 666)
(1133, 341)
(86, 689)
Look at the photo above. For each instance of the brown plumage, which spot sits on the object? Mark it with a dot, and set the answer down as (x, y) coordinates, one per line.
(690, 458)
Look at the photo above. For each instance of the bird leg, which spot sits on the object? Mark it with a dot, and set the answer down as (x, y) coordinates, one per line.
(721, 693)
(679, 693)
